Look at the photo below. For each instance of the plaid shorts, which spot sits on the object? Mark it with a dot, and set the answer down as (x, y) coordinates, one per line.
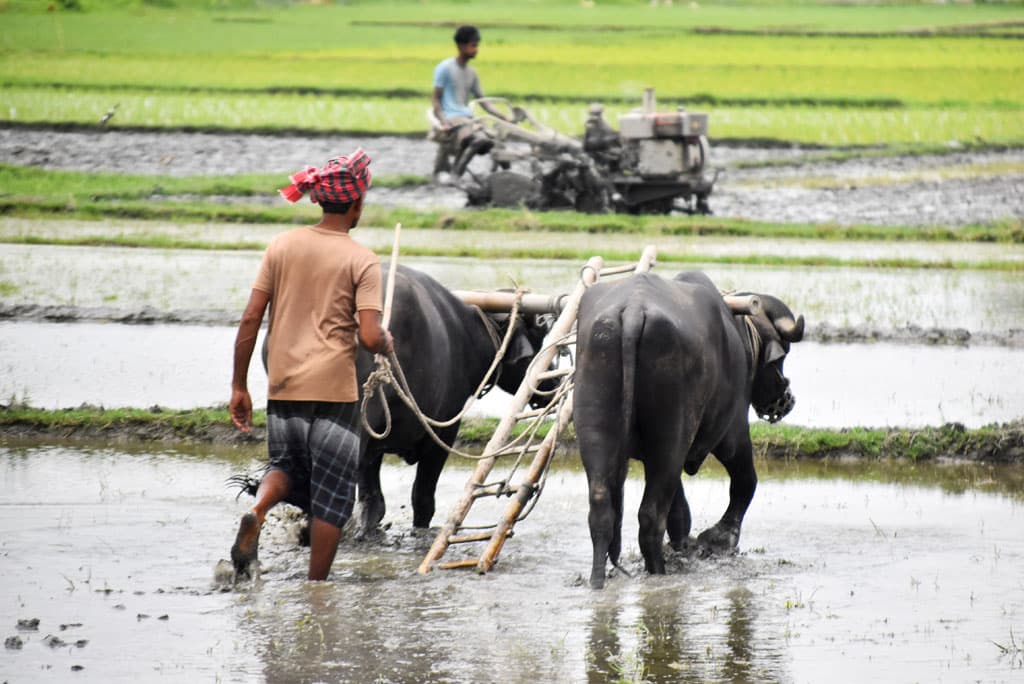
(316, 443)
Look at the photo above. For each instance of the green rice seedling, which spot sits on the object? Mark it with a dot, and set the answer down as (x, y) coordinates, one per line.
(688, 69)
(817, 125)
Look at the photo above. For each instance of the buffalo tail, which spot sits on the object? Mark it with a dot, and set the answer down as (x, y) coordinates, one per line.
(632, 330)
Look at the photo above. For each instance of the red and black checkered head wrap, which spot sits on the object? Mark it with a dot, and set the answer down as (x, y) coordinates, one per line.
(341, 180)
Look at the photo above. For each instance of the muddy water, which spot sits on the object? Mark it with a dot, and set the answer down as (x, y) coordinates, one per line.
(60, 365)
(168, 279)
(846, 573)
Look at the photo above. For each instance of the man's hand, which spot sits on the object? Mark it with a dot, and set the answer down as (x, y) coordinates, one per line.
(388, 345)
(245, 341)
(374, 337)
(241, 409)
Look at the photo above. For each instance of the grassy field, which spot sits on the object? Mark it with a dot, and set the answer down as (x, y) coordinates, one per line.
(826, 74)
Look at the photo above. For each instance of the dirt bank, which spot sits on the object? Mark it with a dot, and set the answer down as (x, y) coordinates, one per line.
(958, 188)
(992, 444)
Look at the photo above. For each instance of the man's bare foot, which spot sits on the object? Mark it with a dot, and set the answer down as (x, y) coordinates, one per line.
(246, 547)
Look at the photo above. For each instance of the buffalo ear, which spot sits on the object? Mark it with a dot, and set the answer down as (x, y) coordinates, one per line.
(773, 351)
(519, 349)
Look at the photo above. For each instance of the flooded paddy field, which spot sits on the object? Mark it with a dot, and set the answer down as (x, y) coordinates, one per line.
(871, 302)
(846, 572)
(65, 365)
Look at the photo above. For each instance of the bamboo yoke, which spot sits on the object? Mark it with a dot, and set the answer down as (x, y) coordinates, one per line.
(503, 443)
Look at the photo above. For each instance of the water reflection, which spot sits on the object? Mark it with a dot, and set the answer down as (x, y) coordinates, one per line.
(738, 665)
(342, 632)
(683, 631)
(604, 655)
(666, 649)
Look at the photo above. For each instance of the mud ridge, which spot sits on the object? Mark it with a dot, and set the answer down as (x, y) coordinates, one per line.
(993, 444)
(824, 332)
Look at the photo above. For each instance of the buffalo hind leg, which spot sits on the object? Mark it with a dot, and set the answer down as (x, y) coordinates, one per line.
(371, 499)
(724, 536)
(679, 520)
(428, 469)
(617, 493)
(602, 529)
(653, 517)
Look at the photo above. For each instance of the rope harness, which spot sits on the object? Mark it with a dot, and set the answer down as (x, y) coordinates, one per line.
(389, 372)
(755, 346)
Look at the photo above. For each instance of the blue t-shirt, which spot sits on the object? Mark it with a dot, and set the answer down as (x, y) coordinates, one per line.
(457, 84)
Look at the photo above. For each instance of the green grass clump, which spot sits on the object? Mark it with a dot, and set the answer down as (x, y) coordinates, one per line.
(96, 417)
(952, 440)
(992, 443)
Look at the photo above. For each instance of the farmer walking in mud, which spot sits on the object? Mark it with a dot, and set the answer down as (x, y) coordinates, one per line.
(322, 287)
(454, 81)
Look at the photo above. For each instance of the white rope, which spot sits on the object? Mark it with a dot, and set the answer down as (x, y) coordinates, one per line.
(389, 371)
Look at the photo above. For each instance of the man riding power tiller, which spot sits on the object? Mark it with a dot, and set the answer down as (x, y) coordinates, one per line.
(456, 131)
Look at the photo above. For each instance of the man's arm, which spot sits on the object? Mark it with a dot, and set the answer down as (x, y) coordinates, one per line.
(372, 334)
(490, 109)
(478, 92)
(438, 110)
(245, 342)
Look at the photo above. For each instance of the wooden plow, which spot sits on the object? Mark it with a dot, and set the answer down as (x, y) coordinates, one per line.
(502, 443)
(526, 444)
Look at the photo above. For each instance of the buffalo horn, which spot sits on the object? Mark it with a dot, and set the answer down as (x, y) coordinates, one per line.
(743, 305)
(789, 329)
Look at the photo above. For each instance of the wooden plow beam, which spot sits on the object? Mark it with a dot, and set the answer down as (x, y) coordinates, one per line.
(516, 411)
(501, 302)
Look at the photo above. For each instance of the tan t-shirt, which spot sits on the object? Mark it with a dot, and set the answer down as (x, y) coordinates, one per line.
(317, 280)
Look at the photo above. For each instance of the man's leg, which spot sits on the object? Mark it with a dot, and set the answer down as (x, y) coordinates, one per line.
(286, 450)
(334, 450)
(441, 163)
(272, 490)
(323, 545)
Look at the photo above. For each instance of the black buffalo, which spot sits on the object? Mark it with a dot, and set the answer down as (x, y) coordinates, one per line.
(445, 347)
(665, 373)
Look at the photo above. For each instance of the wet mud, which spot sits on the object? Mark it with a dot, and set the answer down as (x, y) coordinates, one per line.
(902, 190)
(901, 574)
